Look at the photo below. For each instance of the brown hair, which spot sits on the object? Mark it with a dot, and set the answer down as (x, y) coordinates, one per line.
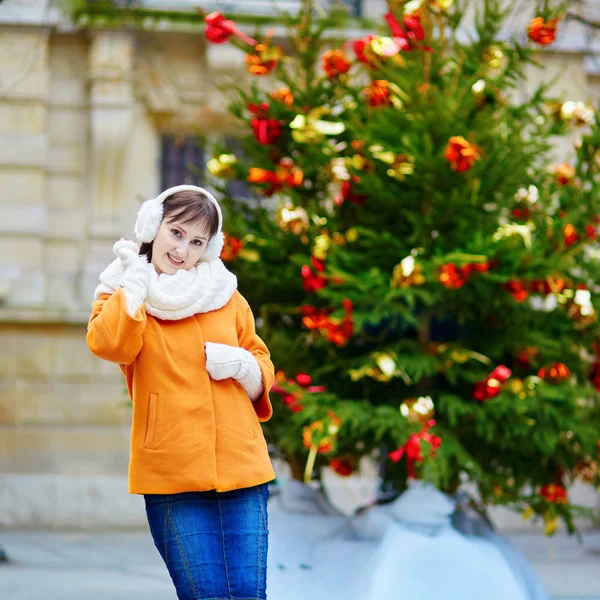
(186, 207)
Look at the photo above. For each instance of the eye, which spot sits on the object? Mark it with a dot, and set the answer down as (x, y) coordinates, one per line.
(176, 232)
(198, 243)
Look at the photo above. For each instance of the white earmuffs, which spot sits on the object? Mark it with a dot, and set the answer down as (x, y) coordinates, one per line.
(150, 217)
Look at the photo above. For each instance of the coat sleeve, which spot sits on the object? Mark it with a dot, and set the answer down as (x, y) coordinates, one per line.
(113, 334)
(249, 340)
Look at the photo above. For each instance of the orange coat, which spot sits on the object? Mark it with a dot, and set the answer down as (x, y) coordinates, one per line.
(189, 432)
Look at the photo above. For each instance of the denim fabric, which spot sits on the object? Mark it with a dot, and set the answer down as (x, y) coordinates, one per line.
(213, 543)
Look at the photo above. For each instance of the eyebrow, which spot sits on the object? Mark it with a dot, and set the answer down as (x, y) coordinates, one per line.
(200, 237)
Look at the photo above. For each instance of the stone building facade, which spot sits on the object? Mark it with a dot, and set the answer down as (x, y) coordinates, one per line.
(86, 115)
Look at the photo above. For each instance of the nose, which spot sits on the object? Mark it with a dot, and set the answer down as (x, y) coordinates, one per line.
(181, 250)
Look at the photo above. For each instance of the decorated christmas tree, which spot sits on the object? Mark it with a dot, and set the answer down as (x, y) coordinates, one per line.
(423, 270)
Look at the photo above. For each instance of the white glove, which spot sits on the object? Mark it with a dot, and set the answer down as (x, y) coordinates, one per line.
(136, 276)
(223, 361)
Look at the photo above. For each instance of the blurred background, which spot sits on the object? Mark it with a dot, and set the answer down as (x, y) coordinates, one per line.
(97, 115)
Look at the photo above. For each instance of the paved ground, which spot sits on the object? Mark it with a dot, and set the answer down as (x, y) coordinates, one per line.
(125, 566)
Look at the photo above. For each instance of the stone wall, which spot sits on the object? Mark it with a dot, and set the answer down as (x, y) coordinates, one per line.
(80, 121)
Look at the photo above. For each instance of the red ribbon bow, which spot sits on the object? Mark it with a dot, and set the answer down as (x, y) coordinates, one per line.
(412, 448)
(219, 30)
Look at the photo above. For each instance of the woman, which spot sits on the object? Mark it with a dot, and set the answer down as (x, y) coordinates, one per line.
(170, 315)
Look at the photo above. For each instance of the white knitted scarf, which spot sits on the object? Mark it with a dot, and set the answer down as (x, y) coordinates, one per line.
(208, 286)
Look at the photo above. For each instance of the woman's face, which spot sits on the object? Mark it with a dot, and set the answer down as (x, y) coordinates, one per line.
(178, 245)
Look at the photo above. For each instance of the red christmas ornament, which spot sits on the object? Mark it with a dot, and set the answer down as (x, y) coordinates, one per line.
(595, 374)
(452, 277)
(492, 386)
(461, 154)
(519, 293)
(565, 174)
(343, 466)
(554, 493)
(312, 281)
(555, 373)
(570, 234)
(347, 193)
(542, 32)
(287, 174)
(591, 232)
(265, 60)
(361, 47)
(335, 63)
(378, 93)
(231, 248)
(338, 331)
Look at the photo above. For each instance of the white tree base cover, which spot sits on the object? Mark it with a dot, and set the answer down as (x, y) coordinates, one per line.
(407, 549)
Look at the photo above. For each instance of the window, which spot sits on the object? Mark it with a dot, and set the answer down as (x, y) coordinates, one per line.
(183, 161)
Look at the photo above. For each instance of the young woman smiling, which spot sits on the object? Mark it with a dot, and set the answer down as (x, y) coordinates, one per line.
(198, 375)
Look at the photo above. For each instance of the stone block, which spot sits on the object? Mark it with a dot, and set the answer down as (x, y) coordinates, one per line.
(60, 291)
(24, 253)
(24, 218)
(68, 55)
(26, 352)
(72, 358)
(22, 186)
(62, 256)
(52, 402)
(67, 224)
(19, 46)
(23, 150)
(67, 126)
(64, 191)
(8, 399)
(29, 119)
(67, 91)
(69, 502)
(67, 159)
(32, 85)
(28, 290)
(64, 450)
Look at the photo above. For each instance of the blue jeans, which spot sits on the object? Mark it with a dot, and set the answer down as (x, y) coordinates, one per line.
(214, 544)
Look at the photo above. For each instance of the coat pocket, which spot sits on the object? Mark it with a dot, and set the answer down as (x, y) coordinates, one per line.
(252, 418)
(151, 420)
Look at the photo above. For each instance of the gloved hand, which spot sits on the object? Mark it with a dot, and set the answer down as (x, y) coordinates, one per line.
(136, 277)
(223, 361)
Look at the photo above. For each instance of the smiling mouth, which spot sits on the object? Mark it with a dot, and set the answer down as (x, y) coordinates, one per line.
(174, 261)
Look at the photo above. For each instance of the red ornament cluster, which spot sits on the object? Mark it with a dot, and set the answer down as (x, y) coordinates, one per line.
(292, 398)
(266, 130)
(454, 277)
(311, 280)
(337, 331)
(492, 386)
(554, 493)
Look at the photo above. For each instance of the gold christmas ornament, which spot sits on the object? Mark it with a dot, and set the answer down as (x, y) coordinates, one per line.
(321, 247)
(516, 385)
(222, 166)
(495, 58)
(418, 410)
(550, 524)
(577, 112)
(312, 128)
(292, 219)
(351, 235)
(407, 273)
